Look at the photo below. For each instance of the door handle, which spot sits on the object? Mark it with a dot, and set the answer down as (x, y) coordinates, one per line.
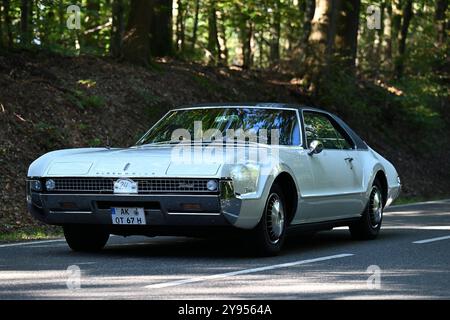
(348, 159)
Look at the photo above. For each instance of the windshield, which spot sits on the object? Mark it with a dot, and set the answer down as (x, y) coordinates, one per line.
(268, 126)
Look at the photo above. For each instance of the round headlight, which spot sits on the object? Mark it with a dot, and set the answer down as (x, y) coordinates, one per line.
(36, 185)
(211, 185)
(50, 184)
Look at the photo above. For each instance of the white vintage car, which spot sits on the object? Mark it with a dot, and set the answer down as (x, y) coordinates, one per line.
(264, 169)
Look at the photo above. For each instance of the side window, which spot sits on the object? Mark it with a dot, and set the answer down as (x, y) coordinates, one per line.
(319, 127)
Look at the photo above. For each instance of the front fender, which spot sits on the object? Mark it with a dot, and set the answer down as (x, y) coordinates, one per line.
(253, 204)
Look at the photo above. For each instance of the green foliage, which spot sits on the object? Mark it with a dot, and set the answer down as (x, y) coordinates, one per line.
(203, 81)
(52, 135)
(95, 142)
(31, 233)
(84, 101)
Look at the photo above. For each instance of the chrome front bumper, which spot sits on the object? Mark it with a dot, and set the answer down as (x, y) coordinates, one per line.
(221, 209)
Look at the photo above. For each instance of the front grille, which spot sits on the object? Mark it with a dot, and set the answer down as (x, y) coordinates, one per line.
(145, 185)
(84, 185)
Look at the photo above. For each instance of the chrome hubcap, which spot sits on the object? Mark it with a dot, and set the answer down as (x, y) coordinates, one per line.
(275, 218)
(376, 207)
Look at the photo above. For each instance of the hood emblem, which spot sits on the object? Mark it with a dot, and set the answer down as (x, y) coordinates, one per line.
(126, 167)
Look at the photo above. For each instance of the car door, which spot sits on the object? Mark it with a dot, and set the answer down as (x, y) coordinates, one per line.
(335, 189)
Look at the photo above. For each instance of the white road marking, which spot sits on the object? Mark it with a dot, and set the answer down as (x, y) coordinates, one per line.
(245, 271)
(28, 243)
(405, 228)
(432, 240)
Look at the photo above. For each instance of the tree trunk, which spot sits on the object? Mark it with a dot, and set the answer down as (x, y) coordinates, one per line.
(441, 23)
(91, 22)
(246, 36)
(332, 27)
(386, 51)
(223, 49)
(161, 41)
(318, 42)
(309, 6)
(195, 27)
(117, 28)
(25, 14)
(136, 42)
(396, 19)
(180, 26)
(275, 30)
(213, 39)
(347, 33)
(1, 28)
(406, 19)
(7, 19)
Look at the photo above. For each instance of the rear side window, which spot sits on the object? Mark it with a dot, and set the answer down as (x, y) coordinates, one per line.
(320, 127)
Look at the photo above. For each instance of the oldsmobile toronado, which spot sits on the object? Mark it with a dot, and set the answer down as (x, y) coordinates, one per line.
(262, 170)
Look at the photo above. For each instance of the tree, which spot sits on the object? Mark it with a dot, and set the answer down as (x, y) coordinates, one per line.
(25, 15)
(386, 51)
(117, 28)
(195, 27)
(308, 7)
(213, 38)
(7, 19)
(275, 31)
(91, 22)
(407, 14)
(347, 33)
(180, 26)
(161, 29)
(136, 41)
(245, 33)
(319, 41)
(441, 23)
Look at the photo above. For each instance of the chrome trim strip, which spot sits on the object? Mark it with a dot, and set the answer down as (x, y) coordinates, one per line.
(57, 211)
(194, 213)
(333, 195)
(130, 195)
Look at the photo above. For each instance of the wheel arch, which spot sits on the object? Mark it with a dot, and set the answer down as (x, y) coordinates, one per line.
(290, 192)
(380, 176)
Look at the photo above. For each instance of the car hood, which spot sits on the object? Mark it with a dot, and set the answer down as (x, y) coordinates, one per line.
(130, 162)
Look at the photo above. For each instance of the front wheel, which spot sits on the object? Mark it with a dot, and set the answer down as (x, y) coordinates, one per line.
(85, 238)
(269, 234)
(368, 227)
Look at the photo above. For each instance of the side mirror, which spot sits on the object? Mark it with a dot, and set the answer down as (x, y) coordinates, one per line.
(315, 147)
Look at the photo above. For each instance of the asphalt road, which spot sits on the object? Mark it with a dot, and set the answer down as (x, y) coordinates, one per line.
(409, 260)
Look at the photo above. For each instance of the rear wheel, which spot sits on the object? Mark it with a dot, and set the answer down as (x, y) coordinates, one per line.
(85, 238)
(269, 234)
(369, 225)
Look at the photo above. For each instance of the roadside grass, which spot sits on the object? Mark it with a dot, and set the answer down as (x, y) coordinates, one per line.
(32, 233)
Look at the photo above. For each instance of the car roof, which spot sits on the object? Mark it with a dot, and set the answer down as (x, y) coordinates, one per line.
(268, 105)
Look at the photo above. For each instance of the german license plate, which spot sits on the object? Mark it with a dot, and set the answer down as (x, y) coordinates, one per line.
(128, 216)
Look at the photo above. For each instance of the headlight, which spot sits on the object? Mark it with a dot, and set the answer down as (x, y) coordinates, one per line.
(50, 184)
(36, 185)
(211, 185)
(245, 178)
